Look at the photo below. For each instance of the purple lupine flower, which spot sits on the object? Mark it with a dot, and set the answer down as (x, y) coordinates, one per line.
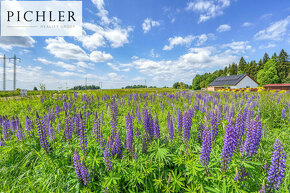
(230, 143)
(77, 164)
(85, 174)
(68, 128)
(263, 189)
(252, 141)
(179, 121)
(107, 157)
(283, 113)
(240, 126)
(42, 134)
(200, 131)
(51, 132)
(20, 133)
(83, 134)
(6, 129)
(214, 126)
(186, 127)
(129, 133)
(231, 113)
(59, 126)
(118, 145)
(277, 169)
(114, 120)
(206, 146)
(96, 128)
(170, 126)
(138, 133)
(156, 128)
(29, 126)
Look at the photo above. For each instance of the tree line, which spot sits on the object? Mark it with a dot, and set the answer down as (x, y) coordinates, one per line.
(267, 71)
(90, 87)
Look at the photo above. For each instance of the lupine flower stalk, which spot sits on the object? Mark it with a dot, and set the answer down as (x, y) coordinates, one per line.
(206, 146)
(42, 134)
(129, 134)
(83, 134)
(277, 168)
(156, 128)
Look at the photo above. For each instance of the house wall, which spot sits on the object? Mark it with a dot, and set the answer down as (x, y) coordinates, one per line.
(246, 82)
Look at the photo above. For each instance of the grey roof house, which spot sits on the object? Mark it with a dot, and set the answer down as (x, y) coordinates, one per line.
(233, 82)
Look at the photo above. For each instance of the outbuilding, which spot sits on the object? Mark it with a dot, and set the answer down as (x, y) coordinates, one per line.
(232, 82)
(285, 86)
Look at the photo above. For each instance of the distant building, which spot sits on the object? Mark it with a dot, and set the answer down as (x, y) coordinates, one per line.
(232, 82)
(285, 86)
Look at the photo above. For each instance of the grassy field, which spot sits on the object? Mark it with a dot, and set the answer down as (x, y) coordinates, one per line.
(144, 140)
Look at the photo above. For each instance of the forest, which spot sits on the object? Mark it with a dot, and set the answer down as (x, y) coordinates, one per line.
(267, 71)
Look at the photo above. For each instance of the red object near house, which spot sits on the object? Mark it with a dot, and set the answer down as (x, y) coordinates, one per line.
(285, 86)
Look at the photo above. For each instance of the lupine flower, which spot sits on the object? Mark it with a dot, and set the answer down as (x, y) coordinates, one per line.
(200, 131)
(206, 146)
(85, 174)
(6, 129)
(68, 128)
(263, 189)
(42, 134)
(51, 132)
(129, 133)
(283, 113)
(179, 121)
(240, 126)
(29, 126)
(83, 134)
(156, 128)
(186, 127)
(118, 145)
(214, 126)
(114, 120)
(230, 143)
(59, 126)
(277, 169)
(170, 126)
(20, 133)
(77, 164)
(107, 157)
(252, 141)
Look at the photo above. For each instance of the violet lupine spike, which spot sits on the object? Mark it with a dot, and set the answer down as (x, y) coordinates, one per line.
(85, 174)
(77, 164)
(252, 141)
(186, 127)
(107, 157)
(230, 142)
(96, 128)
(28, 126)
(59, 126)
(214, 126)
(20, 133)
(156, 128)
(179, 121)
(129, 133)
(170, 126)
(42, 134)
(277, 169)
(51, 131)
(200, 131)
(283, 113)
(6, 129)
(114, 120)
(118, 145)
(67, 128)
(206, 146)
(240, 126)
(83, 134)
(151, 126)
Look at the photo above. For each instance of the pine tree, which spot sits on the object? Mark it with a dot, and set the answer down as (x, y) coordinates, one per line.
(265, 58)
(242, 64)
(283, 66)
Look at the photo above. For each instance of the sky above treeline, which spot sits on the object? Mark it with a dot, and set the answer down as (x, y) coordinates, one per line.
(127, 42)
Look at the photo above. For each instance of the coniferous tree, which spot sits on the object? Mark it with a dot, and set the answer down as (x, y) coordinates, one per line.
(283, 66)
(265, 58)
(242, 64)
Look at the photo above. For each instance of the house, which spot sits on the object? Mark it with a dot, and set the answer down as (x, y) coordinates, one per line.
(285, 86)
(232, 82)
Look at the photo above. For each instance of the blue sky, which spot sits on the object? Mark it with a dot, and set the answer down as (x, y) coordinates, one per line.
(127, 42)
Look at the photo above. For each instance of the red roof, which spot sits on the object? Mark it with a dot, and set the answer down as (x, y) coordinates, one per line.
(286, 84)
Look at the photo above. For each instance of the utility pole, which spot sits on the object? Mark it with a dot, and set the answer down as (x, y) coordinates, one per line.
(4, 72)
(86, 83)
(145, 83)
(14, 67)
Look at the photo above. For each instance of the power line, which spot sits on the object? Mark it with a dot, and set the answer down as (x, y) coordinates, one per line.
(4, 72)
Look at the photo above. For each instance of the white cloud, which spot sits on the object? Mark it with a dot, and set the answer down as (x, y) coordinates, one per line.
(223, 28)
(64, 50)
(153, 54)
(8, 42)
(187, 40)
(97, 56)
(237, 47)
(247, 24)
(63, 74)
(208, 9)
(117, 36)
(148, 24)
(269, 45)
(276, 31)
(186, 66)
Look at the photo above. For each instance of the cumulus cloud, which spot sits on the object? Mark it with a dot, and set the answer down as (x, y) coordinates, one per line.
(9, 42)
(269, 45)
(239, 47)
(276, 31)
(186, 66)
(187, 40)
(223, 28)
(148, 24)
(208, 9)
(97, 56)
